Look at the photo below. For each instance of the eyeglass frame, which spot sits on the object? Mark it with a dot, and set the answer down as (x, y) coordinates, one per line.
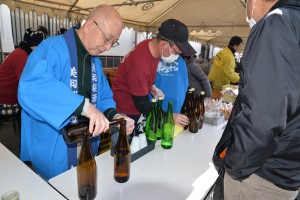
(106, 40)
(171, 43)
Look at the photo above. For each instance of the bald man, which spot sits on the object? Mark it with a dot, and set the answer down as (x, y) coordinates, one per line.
(63, 80)
(262, 159)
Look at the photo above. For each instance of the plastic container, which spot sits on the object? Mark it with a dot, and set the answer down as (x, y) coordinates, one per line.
(229, 96)
(214, 120)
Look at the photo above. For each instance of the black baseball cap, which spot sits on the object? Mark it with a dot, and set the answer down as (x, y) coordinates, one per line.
(177, 32)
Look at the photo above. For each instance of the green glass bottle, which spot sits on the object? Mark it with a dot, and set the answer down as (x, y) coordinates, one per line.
(151, 126)
(168, 128)
(159, 117)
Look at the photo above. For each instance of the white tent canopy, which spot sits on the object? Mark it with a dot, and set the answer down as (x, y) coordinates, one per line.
(209, 21)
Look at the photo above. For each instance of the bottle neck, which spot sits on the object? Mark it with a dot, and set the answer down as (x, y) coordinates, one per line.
(152, 107)
(86, 141)
(170, 109)
(159, 104)
(86, 151)
(123, 129)
(202, 98)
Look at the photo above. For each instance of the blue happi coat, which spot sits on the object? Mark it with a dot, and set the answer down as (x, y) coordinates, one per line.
(172, 79)
(48, 103)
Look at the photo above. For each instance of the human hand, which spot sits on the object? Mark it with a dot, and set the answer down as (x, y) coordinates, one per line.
(180, 119)
(156, 92)
(98, 122)
(129, 123)
(227, 113)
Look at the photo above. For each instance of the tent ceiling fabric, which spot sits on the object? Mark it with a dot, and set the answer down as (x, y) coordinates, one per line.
(210, 21)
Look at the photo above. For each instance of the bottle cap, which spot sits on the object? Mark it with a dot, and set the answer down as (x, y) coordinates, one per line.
(192, 89)
(160, 98)
(202, 93)
(153, 100)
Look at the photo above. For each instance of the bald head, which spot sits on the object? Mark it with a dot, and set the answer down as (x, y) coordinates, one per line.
(106, 14)
(101, 30)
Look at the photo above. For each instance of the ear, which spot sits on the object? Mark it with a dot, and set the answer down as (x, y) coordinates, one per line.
(88, 25)
(164, 44)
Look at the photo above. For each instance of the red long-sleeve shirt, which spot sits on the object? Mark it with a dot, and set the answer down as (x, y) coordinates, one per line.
(10, 72)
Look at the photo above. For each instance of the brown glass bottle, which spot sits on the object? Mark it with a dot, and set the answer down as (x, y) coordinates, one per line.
(194, 125)
(122, 155)
(197, 106)
(86, 171)
(191, 100)
(185, 107)
(194, 116)
(202, 109)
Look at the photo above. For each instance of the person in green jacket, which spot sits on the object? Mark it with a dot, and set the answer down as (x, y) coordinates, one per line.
(222, 71)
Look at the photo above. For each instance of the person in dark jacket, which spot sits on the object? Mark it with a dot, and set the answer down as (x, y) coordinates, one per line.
(263, 153)
(197, 78)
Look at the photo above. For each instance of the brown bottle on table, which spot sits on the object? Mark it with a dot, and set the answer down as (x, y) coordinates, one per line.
(185, 108)
(86, 171)
(122, 157)
(202, 109)
(194, 122)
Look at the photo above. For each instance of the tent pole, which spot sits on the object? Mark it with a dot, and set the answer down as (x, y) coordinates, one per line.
(2, 54)
(147, 33)
(135, 38)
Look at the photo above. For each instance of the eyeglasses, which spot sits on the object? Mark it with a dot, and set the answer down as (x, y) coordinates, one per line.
(177, 52)
(106, 40)
(171, 43)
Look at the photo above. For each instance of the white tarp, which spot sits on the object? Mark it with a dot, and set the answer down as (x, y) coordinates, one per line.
(209, 21)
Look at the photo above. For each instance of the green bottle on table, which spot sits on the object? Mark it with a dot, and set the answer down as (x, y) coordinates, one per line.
(159, 117)
(168, 128)
(151, 126)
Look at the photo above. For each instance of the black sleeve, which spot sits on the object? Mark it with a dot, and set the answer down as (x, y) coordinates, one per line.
(78, 111)
(269, 95)
(142, 103)
(110, 113)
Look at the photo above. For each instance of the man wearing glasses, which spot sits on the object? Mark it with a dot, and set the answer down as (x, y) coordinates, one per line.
(262, 159)
(136, 74)
(63, 81)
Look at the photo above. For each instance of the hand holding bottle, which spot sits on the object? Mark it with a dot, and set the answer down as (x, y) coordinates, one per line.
(129, 123)
(180, 119)
(98, 122)
(156, 92)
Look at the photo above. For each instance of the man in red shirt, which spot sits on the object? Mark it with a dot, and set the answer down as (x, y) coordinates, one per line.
(136, 74)
(12, 68)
